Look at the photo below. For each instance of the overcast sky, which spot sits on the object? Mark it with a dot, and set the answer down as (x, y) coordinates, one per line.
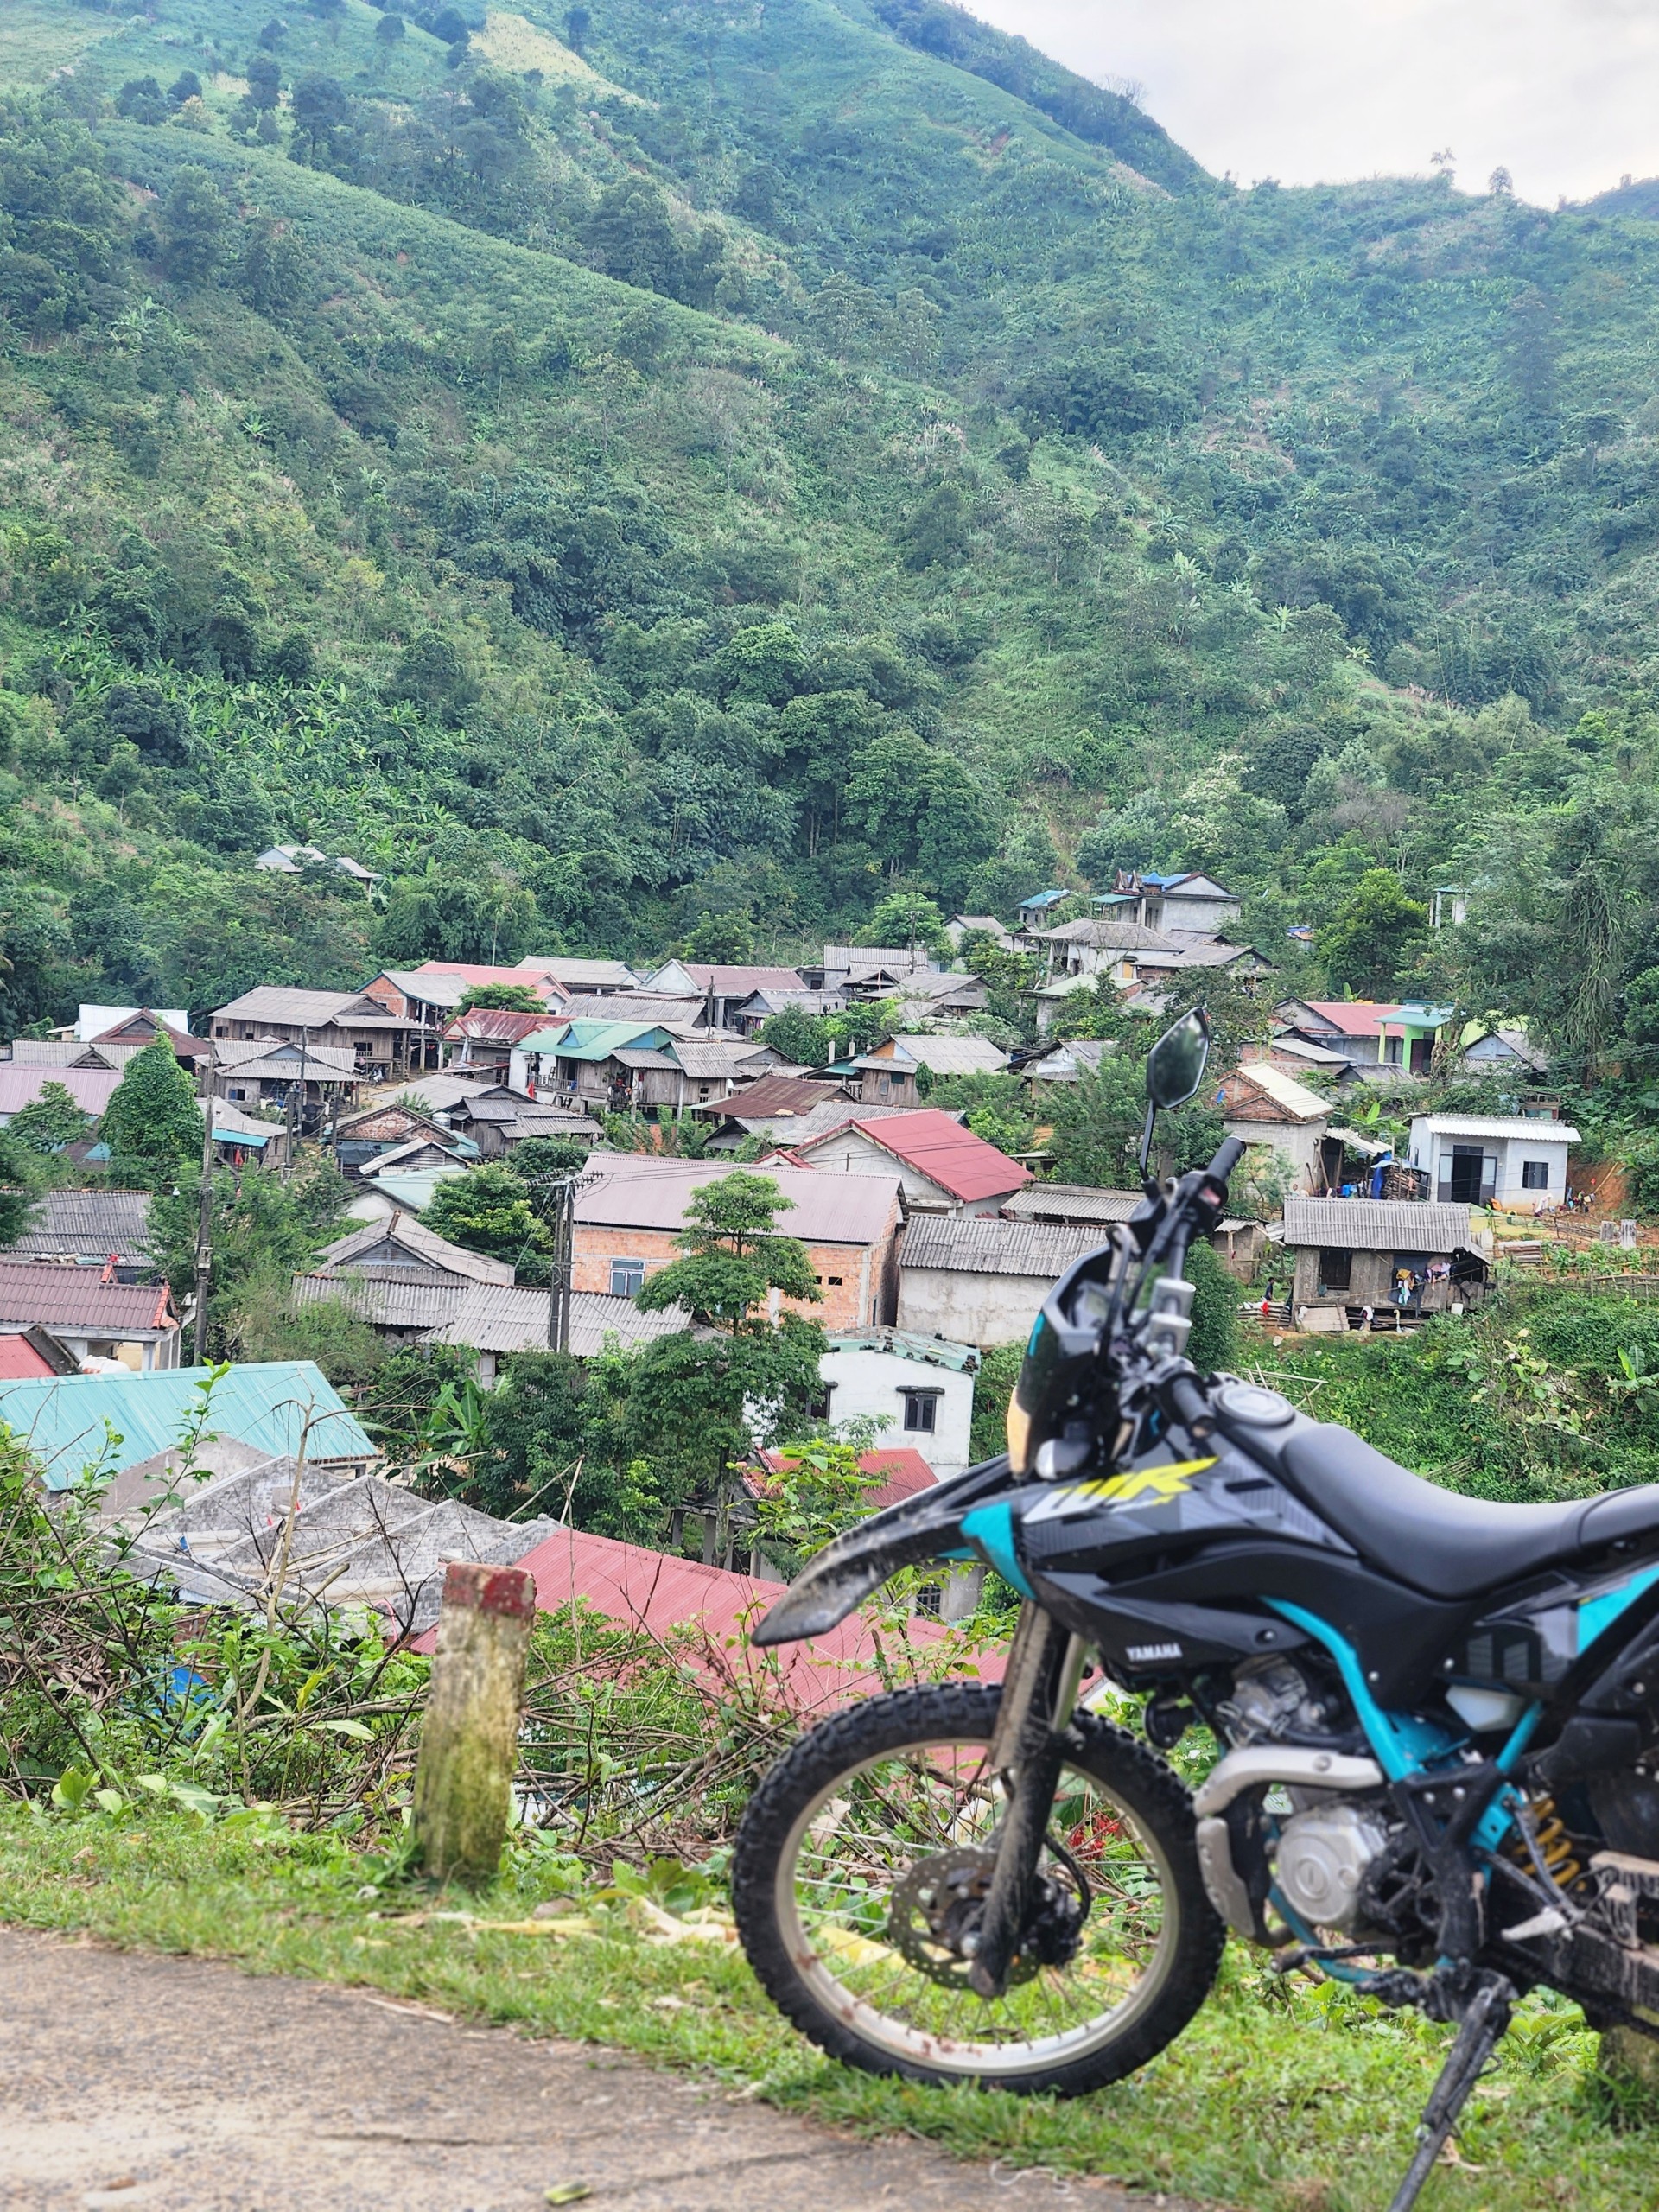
(1562, 93)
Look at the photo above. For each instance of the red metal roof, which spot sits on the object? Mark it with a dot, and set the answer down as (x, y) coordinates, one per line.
(90, 1087)
(78, 1297)
(472, 971)
(935, 1145)
(653, 1594)
(1354, 1017)
(902, 1467)
(496, 1024)
(19, 1359)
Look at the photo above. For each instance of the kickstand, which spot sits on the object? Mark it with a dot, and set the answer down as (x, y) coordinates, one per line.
(1479, 2031)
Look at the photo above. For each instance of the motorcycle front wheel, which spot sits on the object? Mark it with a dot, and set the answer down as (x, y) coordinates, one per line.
(862, 1856)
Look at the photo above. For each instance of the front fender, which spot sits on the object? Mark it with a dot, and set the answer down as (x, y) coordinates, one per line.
(847, 1570)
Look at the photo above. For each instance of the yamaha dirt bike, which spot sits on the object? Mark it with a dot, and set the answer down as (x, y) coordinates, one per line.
(1439, 1723)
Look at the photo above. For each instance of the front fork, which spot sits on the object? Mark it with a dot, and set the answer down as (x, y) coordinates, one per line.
(1040, 1692)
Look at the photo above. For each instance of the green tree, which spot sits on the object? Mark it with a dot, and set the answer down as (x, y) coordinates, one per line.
(906, 919)
(501, 998)
(732, 1255)
(195, 225)
(538, 1421)
(49, 1122)
(1372, 936)
(1213, 1346)
(264, 1232)
(153, 1122)
(804, 1038)
(488, 1210)
(19, 1188)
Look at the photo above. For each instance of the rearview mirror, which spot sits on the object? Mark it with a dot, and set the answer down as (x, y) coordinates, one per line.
(1175, 1064)
(1175, 1070)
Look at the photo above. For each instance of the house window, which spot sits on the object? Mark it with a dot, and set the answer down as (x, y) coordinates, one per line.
(1336, 1271)
(627, 1278)
(818, 1408)
(834, 1281)
(1535, 1174)
(921, 1410)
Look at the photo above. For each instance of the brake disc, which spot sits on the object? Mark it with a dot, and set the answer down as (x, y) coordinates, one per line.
(939, 1902)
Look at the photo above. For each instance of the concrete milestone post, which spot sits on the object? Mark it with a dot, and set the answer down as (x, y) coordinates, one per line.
(463, 1782)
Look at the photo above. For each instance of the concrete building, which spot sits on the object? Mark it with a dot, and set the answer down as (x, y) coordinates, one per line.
(630, 1209)
(1499, 1160)
(970, 1279)
(920, 1388)
(1262, 1105)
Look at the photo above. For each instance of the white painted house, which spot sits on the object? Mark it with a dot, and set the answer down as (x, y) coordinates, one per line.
(1494, 1160)
(920, 1388)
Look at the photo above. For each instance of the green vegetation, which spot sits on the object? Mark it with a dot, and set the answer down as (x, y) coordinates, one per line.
(717, 485)
(1342, 2083)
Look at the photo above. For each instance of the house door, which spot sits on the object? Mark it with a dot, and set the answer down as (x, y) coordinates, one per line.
(1465, 1175)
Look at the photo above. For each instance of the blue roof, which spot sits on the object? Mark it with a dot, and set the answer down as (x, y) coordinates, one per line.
(62, 1419)
(597, 1040)
(1043, 899)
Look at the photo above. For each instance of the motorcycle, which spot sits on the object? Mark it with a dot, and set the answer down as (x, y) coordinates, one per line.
(1437, 1720)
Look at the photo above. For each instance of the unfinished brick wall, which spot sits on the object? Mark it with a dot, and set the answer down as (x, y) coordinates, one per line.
(857, 1280)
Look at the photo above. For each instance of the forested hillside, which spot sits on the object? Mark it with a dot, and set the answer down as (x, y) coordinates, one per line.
(640, 474)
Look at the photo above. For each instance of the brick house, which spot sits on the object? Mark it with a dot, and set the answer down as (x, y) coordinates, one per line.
(630, 1209)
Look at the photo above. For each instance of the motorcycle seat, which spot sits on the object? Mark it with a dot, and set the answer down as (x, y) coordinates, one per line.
(1441, 1544)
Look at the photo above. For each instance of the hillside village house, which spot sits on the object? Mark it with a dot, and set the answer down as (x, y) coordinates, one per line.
(359, 1138)
(270, 1075)
(94, 1228)
(21, 1086)
(941, 994)
(944, 1167)
(892, 1072)
(1263, 1106)
(919, 1389)
(1350, 1254)
(129, 1029)
(1189, 903)
(630, 1209)
(760, 1006)
(1517, 1161)
(497, 1118)
(722, 986)
(1376, 1037)
(92, 1315)
(977, 1279)
(346, 1021)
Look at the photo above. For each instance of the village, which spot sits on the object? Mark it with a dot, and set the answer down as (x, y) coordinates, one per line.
(610, 1096)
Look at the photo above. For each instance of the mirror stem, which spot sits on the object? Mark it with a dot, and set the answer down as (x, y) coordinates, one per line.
(1146, 1138)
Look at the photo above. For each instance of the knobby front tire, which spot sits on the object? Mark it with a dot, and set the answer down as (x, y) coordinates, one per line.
(842, 1854)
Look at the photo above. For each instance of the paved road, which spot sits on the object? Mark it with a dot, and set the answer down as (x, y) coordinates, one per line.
(129, 2080)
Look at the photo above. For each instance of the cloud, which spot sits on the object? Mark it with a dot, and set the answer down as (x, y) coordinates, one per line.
(1562, 93)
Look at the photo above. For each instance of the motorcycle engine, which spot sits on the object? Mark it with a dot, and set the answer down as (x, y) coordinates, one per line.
(1272, 1699)
(1321, 1860)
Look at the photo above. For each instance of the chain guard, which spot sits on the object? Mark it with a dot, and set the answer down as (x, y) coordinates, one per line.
(940, 1900)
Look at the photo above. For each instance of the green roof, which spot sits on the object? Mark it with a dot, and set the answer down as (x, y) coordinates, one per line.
(62, 1419)
(597, 1040)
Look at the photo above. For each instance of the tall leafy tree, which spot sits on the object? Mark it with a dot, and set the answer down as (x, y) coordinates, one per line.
(153, 1122)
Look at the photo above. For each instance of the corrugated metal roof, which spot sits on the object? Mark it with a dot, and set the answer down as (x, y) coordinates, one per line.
(981, 1244)
(828, 1115)
(1110, 937)
(1352, 1017)
(653, 1595)
(90, 1225)
(592, 974)
(65, 1052)
(906, 1343)
(952, 1055)
(1523, 1128)
(500, 1320)
(78, 1298)
(597, 1040)
(1068, 1202)
(627, 1191)
(935, 1145)
(727, 981)
(782, 1098)
(1284, 1090)
(717, 1056)
(65, 1423)
(496, 1025)
(902, 1470)
(386, 1304)
(1376, 1224)
(424, 1248)
(92, 1088)
(302, 1009)
(851, 958)
(252, 1056)
(646, 1056)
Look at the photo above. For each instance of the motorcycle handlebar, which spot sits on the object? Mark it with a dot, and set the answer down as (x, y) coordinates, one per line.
(1183, 1401)
(1232, 1151)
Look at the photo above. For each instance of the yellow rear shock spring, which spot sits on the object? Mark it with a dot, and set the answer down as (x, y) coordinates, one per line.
(1555, 1846)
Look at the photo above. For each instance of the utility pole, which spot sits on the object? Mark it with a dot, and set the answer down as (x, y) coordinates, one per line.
(205, 1212)
(564, 1229)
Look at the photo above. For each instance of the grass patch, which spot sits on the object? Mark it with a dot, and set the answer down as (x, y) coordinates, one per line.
(1277, 2100)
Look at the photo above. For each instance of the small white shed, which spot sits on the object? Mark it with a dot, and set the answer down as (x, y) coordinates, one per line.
(1512, 1161)
(920, 1388)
